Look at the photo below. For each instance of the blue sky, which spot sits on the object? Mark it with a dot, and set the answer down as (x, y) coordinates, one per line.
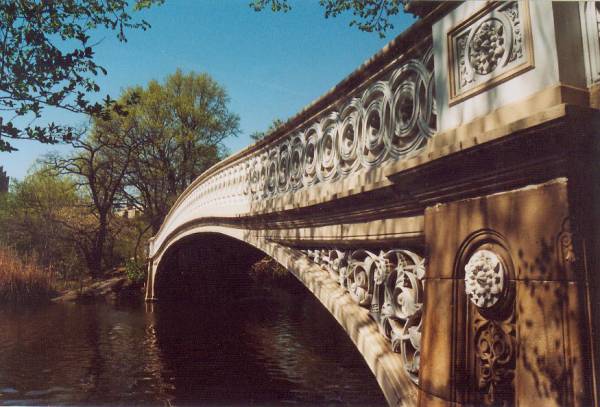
(272, 64)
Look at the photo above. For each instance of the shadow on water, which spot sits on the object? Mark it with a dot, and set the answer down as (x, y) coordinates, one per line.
(259, 342)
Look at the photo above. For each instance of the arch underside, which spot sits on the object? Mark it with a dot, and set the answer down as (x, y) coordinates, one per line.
(356, 287)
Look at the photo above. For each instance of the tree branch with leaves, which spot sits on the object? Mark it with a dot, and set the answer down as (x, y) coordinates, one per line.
(47, 60)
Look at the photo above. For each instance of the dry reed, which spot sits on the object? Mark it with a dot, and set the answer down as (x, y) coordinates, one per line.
(22, 279)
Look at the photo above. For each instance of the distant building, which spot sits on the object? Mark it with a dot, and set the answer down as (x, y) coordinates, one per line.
(127, 212)
(3, 180)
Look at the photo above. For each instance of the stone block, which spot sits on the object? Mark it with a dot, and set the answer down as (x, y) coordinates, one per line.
(552, 363)
(533, 221)
(436, 343)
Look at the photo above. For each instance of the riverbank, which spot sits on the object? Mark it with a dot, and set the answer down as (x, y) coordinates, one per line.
(116, 286)
(23, 280)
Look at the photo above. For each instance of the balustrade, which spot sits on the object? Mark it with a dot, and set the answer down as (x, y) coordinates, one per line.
(388, 118)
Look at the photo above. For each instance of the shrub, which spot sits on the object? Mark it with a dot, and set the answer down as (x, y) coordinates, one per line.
(135, 271)
(23, 280)
(268, 269)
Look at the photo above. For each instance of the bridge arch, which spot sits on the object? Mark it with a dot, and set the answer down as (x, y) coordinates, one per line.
(387, 366)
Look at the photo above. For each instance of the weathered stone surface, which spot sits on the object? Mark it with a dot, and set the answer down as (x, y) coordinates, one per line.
(535, 220)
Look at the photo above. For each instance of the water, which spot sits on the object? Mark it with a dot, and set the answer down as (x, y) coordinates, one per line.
(272, 347)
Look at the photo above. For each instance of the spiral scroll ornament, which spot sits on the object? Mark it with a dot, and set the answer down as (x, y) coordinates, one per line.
(374, 129)
(390, 285)
(311, 154)
(327, 159)
(383, 119)
(390, 119)
(283, 167)
(348, 138)
(411, 114)
(296, 161)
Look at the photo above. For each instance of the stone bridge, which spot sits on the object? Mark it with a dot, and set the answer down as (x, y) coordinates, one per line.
(441, 202)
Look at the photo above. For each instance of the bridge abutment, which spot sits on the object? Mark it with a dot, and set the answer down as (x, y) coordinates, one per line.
(520, 338)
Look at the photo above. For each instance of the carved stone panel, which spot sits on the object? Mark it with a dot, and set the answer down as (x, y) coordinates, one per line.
(488, 48)
(495, 349)
(491, 341)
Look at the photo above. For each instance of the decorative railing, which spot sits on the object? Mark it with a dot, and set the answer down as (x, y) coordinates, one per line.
(390, 285)
(391, 119)
(385, 118)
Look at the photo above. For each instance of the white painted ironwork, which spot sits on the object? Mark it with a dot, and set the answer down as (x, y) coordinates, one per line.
(390, 119)
(390, 285)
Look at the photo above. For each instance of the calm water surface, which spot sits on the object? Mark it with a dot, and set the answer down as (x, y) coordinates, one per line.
(270, 348)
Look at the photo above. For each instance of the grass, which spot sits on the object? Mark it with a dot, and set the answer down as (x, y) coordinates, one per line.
(23, 280)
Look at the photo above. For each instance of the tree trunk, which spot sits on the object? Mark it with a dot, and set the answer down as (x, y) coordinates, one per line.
(97, 251)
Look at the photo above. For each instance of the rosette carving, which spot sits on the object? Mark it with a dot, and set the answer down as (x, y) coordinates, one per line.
(484, 278)
(488, 46)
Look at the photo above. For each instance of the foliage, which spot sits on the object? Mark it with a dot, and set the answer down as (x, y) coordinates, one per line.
(47, 59)
(131, 239)
(135, 271)
(369, 15)
(23, 281)
(175, 132)
(98, 174)
(267, 269)
(36, 218)
(65, 209)
(259, 135)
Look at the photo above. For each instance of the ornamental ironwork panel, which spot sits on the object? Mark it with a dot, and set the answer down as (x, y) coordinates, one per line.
(388, 283)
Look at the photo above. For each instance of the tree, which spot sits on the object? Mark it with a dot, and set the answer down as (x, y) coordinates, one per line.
(38, 216)
(369, 15)
(178, 128)
(259, 135)
(97, 166)
(46, 59)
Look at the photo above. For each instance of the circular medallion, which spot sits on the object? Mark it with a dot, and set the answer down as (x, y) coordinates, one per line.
(484, 278)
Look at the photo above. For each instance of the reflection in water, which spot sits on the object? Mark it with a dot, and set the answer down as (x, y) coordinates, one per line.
(270, 348)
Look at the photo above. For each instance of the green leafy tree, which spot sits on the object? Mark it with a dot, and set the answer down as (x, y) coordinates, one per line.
(38, 217)
(47, 59)
(177, 128)
(97, 166)
(369, 15)
(259, 135)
